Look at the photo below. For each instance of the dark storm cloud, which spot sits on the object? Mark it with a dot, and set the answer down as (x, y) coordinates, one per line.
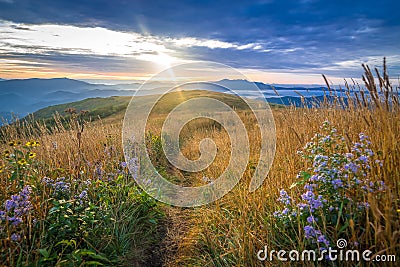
(294, 35)
(226, 19)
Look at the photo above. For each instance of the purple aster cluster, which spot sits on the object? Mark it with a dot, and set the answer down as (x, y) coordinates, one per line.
(284, 197)
(335, 174)
(134, 164)
(15, 237)
(15, 209)
(59, 186)
(315, 235)
(78, 190)
(288, 211)
(372, 187)
(98, 171)
(82, 196)
(311, 201)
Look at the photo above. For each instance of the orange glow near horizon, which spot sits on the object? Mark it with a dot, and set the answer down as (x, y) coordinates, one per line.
(276, 78)
(16, 71)
(23, 69)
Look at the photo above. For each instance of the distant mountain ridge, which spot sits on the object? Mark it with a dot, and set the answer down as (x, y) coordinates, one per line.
(24, 96)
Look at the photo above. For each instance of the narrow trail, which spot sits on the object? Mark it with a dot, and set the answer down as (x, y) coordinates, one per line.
(173, 237)
(174, 233)
(176, 237)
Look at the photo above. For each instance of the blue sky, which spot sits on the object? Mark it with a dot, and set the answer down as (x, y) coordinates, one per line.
(270, 41)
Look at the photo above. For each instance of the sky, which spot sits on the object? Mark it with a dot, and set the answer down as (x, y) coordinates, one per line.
(267, 40)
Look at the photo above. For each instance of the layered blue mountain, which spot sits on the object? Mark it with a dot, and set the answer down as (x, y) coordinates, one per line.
(24, 96)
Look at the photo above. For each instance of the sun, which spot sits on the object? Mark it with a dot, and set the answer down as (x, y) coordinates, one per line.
(164, 60)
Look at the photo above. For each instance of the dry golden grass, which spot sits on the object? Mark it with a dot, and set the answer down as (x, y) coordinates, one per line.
(234, 228)
(230, 231)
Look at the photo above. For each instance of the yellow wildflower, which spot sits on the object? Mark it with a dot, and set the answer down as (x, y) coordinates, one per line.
(32, 144)
(1, 169)
(22, 162)
(398, 210)
(32, 155)
(6, 154)
(14, 143)
(35, 143)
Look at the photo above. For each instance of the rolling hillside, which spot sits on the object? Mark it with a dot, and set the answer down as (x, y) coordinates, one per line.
(98, 106)
(23, 96)
(28, 95)
(115, 106)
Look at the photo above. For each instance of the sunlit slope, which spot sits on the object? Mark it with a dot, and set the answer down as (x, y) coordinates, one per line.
(114, 107)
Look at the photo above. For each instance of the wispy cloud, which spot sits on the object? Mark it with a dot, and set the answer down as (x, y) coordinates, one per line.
(75, 40)
(70, 39)
(142, 37)
(213, 44)
(45, 47)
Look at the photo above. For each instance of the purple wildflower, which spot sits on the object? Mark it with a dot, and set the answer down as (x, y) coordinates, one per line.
(310, 219)
(9, 204)
(322, 239)
(47, 181)
(309, 187)
(15, 220)
(18, 205)
(284, 197)
(314, 202)
(61, 186)
(363, 138)
(349, 155)
(83, 194)
(337, 183)
(134, 164)
(99, 171)
(15, 237)
(2, 215)
(352, 167)
(363, 158)
(382, 186)
(310, 232)
(123, 164)
(326, 139)
(285, 211)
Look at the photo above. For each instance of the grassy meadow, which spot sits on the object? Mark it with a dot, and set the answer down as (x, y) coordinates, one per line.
(67, 198)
